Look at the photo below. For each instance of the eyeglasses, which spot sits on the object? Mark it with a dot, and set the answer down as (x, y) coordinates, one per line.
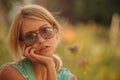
(31, 37)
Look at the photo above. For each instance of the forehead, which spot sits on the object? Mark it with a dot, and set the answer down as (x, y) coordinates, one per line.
(30, 24)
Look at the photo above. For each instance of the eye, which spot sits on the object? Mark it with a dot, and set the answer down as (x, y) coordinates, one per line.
(30, 36)
(46, 30)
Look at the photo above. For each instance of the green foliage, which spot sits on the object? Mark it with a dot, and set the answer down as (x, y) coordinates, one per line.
(4, 52)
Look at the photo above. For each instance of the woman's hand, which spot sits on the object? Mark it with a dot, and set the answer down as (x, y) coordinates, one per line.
(29, 53)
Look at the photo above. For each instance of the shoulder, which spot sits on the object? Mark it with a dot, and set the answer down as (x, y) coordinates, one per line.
(8, 72)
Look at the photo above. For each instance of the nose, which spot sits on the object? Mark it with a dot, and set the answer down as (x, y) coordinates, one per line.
(40, 39)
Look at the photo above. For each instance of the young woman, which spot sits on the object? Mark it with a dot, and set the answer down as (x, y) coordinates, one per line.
(33, 38)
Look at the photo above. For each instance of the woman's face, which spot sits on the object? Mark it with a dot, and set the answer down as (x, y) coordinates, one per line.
(39, 34)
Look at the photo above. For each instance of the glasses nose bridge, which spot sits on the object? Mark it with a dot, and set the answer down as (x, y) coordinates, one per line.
(37, 32)
(39, 37)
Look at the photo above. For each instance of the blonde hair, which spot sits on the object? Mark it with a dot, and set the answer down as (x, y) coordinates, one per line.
(35, 12)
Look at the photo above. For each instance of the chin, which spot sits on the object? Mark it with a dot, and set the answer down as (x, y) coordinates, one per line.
(44, 53)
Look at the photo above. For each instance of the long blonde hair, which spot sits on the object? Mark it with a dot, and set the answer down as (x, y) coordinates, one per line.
(35, 12)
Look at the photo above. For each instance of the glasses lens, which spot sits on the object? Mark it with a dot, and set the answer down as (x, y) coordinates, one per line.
(47, 33)
(30, 39)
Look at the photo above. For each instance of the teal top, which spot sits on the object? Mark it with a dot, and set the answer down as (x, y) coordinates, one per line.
(26, 70)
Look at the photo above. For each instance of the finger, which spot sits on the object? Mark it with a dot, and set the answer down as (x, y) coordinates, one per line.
(32, 51)
(36, 58)
(28, 55)
(41, 59)
(23, 48)
(26, 51)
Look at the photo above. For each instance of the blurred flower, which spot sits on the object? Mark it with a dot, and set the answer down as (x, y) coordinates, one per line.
(69, 34)
(83, 62)
(74, 49)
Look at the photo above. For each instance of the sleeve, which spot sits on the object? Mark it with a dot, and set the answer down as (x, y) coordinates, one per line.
(63, 74)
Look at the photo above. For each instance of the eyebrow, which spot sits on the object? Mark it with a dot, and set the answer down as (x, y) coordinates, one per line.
(36, 30)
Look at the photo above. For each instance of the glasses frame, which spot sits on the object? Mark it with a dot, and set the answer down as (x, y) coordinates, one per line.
(37, 32)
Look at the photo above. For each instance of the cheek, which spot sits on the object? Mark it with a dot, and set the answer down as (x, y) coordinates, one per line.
(53, 42)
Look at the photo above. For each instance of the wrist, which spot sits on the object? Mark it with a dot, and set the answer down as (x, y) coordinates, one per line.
(51, 65)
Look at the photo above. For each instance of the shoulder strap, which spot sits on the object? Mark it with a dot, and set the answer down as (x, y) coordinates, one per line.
(25, 69)
(21, 70)
(28, 69)
(63, 74)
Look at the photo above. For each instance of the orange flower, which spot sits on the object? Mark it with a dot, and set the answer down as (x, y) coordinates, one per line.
(69, 34)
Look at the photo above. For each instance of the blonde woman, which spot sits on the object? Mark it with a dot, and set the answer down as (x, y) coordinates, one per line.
(34, 35)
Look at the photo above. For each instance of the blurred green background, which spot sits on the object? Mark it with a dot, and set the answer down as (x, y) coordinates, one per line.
(90, 45)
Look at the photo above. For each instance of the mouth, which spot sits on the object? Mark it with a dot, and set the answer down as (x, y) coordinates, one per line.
(44, 48)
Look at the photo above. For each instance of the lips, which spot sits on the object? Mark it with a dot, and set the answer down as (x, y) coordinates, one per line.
(44, 48)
